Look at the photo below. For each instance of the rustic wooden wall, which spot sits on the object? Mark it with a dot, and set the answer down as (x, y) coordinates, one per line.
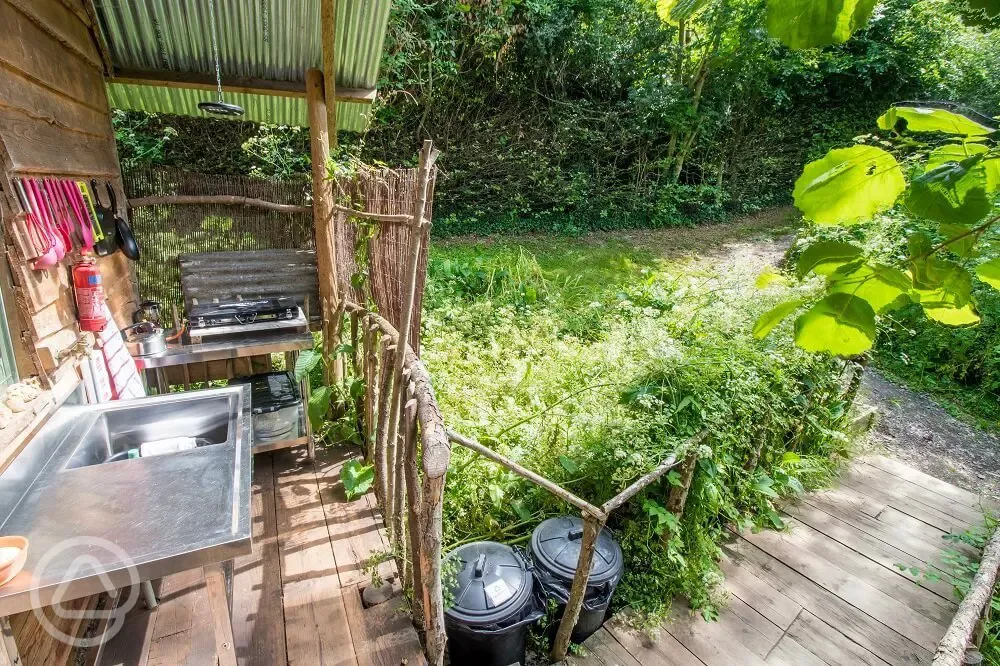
(54, 121)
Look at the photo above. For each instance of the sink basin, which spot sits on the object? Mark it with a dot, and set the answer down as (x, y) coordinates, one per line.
(209, 419)
(146, 517)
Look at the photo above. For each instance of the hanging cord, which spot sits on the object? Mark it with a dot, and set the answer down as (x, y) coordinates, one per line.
(215, 49)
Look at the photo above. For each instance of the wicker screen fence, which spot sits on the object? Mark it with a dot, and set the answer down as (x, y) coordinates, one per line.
(168, 231)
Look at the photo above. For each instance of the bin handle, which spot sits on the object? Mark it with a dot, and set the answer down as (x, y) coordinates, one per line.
(575, 534)
(480, 565)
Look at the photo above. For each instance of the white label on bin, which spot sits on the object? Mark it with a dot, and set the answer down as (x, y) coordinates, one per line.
(498, 591)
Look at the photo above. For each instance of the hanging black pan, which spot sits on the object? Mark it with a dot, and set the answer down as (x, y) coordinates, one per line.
(106, 218)
(126, 241)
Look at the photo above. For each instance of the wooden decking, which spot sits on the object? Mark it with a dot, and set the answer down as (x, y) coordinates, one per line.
(296, 598)
(828, 590)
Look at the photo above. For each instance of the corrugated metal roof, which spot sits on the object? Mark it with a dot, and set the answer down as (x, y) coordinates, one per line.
(263, 39)
(269, 109)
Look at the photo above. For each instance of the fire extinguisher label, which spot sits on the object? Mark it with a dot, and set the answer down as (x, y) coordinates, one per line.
(90, 302)
(94, 279)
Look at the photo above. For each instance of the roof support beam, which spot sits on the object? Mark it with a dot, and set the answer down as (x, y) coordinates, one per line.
(197, 81)
(328, 33)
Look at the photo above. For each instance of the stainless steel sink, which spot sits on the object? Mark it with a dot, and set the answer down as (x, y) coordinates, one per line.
(209, 419)
(165, 513)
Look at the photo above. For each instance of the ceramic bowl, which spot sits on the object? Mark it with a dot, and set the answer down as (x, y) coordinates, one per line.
(13, 553)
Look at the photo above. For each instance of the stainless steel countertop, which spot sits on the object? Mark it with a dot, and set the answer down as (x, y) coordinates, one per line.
(166, 513)
(177, 354)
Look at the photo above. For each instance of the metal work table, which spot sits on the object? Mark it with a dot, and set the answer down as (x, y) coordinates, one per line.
(117, 523)
(241, 347)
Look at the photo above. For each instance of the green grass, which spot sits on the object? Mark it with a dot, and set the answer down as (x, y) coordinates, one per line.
(590, 360)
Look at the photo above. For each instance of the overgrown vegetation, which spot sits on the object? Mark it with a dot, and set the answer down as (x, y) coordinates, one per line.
(590, 362)
(598, 114)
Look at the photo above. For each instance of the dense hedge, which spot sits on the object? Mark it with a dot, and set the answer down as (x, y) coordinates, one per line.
(573, 115)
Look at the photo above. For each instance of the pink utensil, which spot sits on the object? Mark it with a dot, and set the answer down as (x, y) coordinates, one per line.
(60, 214)
(78, 205)
(39, 240)
(38, 203)
(49, 257)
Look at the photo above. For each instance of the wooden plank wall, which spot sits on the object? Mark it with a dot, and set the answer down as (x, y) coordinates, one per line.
(54, 121)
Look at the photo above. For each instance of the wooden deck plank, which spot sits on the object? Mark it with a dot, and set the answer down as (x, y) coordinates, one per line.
(760, 596)
(383, 635)
(915, 547)
(788, 652)
(824, 641)
(920, 495)
(728, 641)
(355, 529)
(258, 618)
(182, 628)
(857, 481)
(874, 549)
(856, 565)
(316, 623)
(838, 580)
(603, 650)
(854, 623)
(664, 651)
(928, 482)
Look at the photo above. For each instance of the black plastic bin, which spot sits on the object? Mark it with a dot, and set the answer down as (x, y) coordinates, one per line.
(555, 551)
(495, 603)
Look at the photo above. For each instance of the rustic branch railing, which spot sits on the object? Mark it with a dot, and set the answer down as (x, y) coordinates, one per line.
(966, 628)
(219, 199)
(594, 519)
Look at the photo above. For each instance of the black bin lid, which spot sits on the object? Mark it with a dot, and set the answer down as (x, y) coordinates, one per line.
(555, 547)
(492, 585)
(270, 391)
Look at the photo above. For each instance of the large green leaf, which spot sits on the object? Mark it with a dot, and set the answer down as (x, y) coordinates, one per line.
(319, 403)
(884, 287)
(840, 324)
(805, 24)
(925, 119)
(357, 478)
(959, 238)
(959, 152)
(825, 257)
(963, 316)
(773, 317)
(954, 192)
(946, 286)
(307, 360)
(848, 185)
(989, 272)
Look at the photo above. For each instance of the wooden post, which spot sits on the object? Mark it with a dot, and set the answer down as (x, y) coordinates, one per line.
(384, 412)
(326, 256)
(428, 155)
(677, 497)
(328, 33)
(591, 529)
(951, 649)
(430, 564)
(413, 506)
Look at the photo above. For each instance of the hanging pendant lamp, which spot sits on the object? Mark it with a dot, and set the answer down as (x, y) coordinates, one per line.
(219, 107)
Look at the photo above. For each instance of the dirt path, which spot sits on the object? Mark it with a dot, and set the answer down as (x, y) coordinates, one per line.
(909, 425)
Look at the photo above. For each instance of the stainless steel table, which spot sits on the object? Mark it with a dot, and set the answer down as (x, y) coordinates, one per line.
(97, 527)
(290, 344)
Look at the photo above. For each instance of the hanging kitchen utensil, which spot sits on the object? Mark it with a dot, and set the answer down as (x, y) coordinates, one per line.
(88, 208)
(106, 215)
(40, 239)
(219, 107)
(77, 204)
(58, 213)
(126, 241)
(38, 204)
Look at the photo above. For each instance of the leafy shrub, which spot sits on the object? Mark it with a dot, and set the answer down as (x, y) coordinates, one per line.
(617, 362)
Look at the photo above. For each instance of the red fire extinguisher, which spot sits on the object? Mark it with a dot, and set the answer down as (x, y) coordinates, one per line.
(89, 290)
